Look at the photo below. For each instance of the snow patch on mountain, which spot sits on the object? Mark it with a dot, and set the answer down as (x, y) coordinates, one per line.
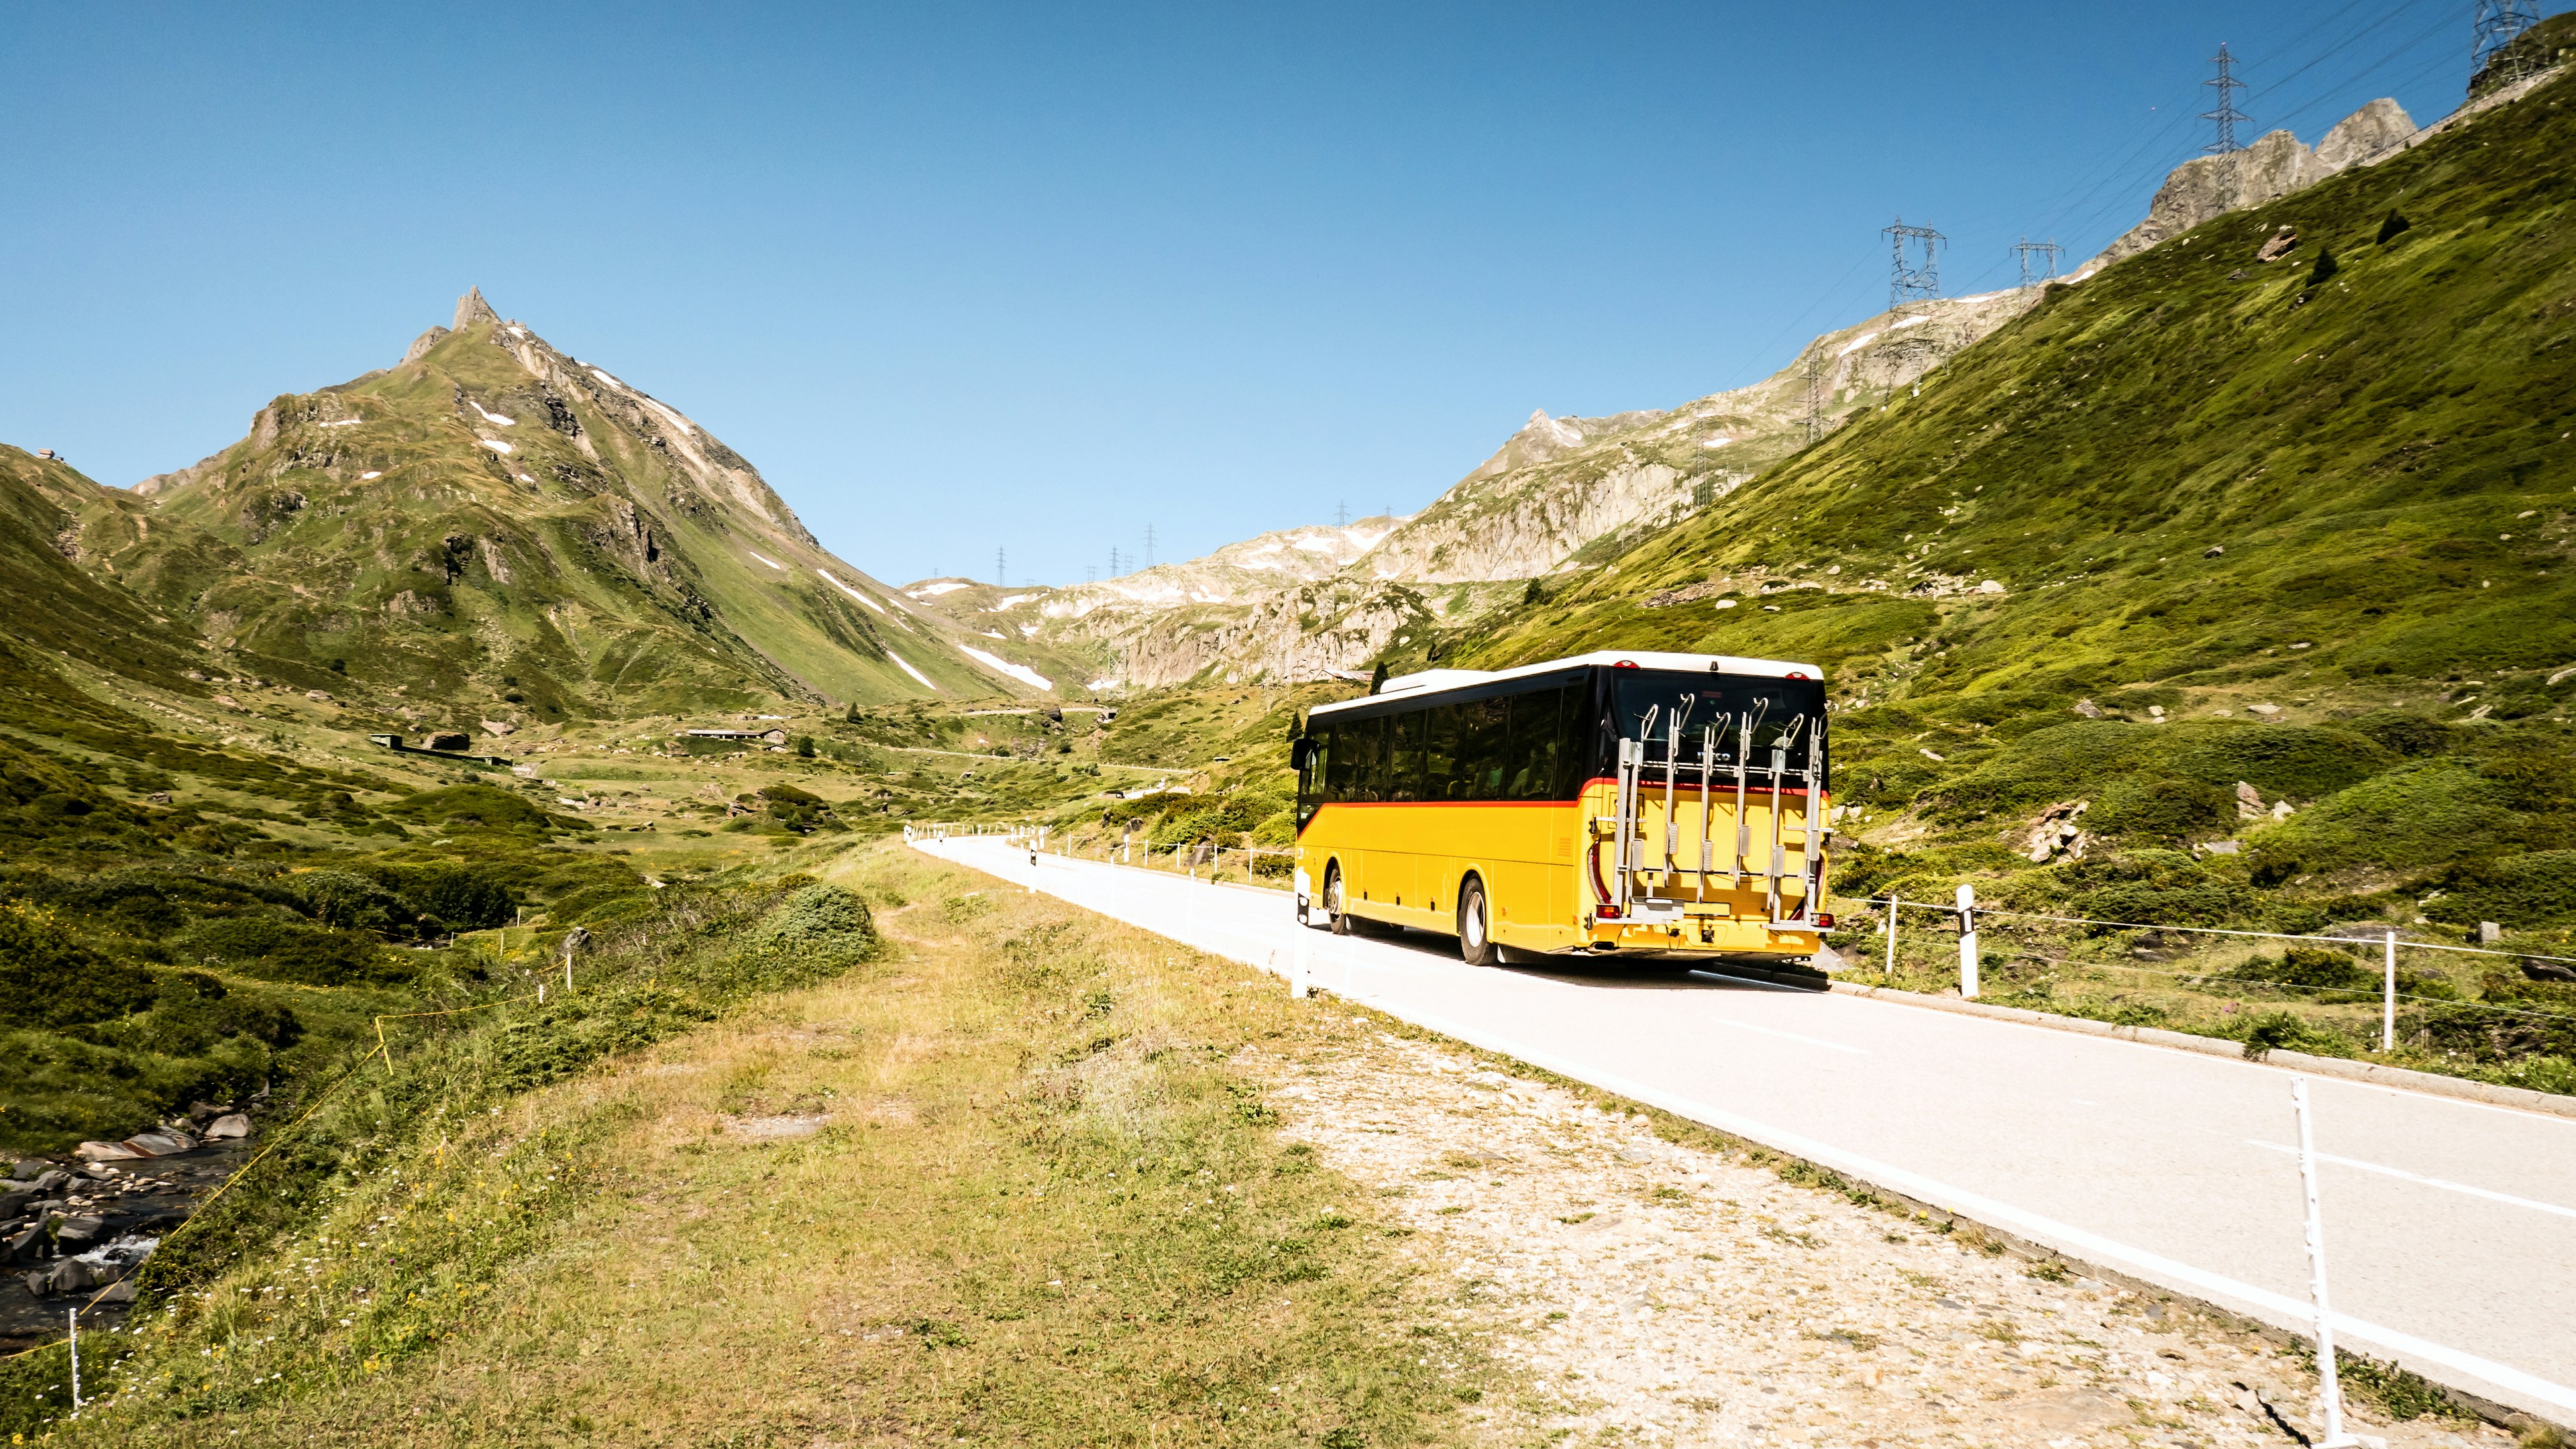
(1020, 672)
(853, 593)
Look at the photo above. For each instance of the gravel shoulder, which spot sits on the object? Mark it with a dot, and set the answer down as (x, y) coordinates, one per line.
(1641, 1280)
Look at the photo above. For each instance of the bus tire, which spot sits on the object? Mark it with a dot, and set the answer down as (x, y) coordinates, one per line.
(1476, 926)
(1337, 918)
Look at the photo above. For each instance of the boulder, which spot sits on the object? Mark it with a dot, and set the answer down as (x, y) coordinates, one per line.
(2535, 969)
(104, 1152)
(499, 727)
(120, 1291)
(2088, 709)
(28, 1169)
(231, 1124)
(159, 1142)
(317, 696)
(13, 1205)
(2249, 802)
(80, 1231)
(25, 1245)
(2280, 244)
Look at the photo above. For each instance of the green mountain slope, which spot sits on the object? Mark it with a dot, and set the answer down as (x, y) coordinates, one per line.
(2201, 520)
(492, 508)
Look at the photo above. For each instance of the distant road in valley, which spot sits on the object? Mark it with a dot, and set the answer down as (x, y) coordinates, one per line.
(2450, 1225)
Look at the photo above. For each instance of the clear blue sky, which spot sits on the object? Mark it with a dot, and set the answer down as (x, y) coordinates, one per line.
(1035, 276)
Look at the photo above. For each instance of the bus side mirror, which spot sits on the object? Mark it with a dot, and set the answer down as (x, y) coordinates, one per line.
(1300, 750)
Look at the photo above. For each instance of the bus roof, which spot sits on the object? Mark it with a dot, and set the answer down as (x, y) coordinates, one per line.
(1434, 681)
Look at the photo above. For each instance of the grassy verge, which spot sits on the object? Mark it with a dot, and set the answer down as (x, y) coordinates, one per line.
(1001, 1186)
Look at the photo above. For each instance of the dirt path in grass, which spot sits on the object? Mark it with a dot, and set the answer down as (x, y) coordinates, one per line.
(1642, 1289)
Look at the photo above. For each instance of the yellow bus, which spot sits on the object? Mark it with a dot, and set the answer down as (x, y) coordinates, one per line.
(1643, 803)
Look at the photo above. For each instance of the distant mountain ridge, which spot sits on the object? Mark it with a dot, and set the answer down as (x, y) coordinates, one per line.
(1564, 495)
(495, 517)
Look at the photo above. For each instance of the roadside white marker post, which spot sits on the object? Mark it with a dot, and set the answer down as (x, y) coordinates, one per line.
(1968, 943)
(71, 1319)
(1892, 904)
(2388, 1001)
(2328, 1388)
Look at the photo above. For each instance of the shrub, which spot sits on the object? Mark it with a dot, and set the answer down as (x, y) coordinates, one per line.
(2520, 890)
(2168, 810)
(2405, 734)
(2288, 1031)
(2425, 812)
(459, 899)
(2308, 968)
(348, 901)
(49, 979)
(274, 948)
(2158, 888)
(824, 924)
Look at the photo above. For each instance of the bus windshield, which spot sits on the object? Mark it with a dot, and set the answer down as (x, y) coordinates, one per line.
(1769, 714)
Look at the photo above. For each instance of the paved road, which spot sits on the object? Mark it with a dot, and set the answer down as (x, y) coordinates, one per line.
(2450, 1225)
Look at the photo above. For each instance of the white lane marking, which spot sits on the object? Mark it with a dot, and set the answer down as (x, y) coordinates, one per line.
(1793, 1036)
(2444, 1183)
(2281, 1309)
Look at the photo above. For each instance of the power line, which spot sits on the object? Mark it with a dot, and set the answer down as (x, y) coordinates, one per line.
(2226, 115)
(1149, 545)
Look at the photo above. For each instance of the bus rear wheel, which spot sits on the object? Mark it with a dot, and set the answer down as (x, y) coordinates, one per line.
(1334, 915)
(1475, 926)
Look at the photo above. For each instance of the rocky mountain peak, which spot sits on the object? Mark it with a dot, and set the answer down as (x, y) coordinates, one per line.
(2273, 167)
(471, 308)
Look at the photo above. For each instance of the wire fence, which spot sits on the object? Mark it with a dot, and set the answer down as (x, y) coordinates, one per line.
(1968, 921)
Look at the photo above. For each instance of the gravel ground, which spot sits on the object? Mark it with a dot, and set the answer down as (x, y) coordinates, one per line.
(1634, 1289)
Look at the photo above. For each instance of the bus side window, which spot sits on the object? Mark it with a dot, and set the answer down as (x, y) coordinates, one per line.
(1484, 747)
(1574, 740)
(1366, 741)
(1441, 776)
(1404, 756)
(1328, 766)
(1532, 752)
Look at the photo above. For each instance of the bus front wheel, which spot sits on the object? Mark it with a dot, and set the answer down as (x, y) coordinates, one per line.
(1334, 915)
(1475, 926)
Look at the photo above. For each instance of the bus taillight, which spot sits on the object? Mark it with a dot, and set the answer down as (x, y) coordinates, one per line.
(1825, 922)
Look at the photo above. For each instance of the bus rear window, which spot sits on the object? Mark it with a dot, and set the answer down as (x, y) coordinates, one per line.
(1781, 712)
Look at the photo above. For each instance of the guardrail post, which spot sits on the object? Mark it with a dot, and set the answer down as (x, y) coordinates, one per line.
(1968, 942)
(2388, 1001)
(72, 1320)
(1892, 904)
